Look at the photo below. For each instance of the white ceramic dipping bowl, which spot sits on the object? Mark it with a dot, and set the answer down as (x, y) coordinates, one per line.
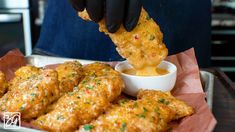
(134, 83)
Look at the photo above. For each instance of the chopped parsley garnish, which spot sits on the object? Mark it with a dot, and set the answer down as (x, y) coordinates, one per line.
(89, 87)
(145, 110)
(143, 115)
(73, 74)
(22, 108)
(124, 127)
(60, 117)
(122, 101)
(33, 94)
(163, 101)
(152, 37)
(88, 127)
(98, 82)
(148, 17)
(84, 81)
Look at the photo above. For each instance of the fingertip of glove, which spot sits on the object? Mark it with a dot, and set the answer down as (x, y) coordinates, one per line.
(78, 5)
(129, 26)
(96, 18)
(113, 28)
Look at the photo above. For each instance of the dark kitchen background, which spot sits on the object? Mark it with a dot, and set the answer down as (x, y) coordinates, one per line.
(15, 23)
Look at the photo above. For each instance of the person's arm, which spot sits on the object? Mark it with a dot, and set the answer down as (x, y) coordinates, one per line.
(116, 12)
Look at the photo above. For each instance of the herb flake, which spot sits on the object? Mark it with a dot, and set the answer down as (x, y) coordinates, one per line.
(124, 127)
(122, 101)
(152, 37)
(60, 117)
(88, 127)
(148, 17)
(22, 108)
(163, 101)
(89, 87)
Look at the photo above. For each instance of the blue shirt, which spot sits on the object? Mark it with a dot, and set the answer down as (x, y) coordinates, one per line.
(184, 23)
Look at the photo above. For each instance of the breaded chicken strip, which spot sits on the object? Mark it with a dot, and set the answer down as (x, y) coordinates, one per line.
(100, 86)
(151, 112)
(31, 96)
(133, 116)
(23, 74)
(143, 47)
(180, 107)
(69, 75)
(3, 84)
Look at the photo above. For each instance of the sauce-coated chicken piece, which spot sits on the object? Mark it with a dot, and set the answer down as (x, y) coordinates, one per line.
(69, 75)
(32, 95)
(143, 47)
(151, 112)
(180, 107)
(100, 86)
(3, 84)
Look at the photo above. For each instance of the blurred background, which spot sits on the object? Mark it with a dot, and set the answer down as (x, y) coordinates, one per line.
(21, 20)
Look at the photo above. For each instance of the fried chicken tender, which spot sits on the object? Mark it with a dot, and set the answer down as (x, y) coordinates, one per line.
(143, 47)
(100, 86)
(23, 74)
(69, 75)
(32, 94)
(3, 84)
(151, 112)
(180, 107)
(133, 116)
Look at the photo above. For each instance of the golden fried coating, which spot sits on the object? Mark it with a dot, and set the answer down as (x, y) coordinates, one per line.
(32, 95)
(69, 75)
(104, 76)
(143, 47)
(23, 74)
(180, 107)
(100, 86)
(133, 116)
(27, 71)
(151, 112)
(3, 84)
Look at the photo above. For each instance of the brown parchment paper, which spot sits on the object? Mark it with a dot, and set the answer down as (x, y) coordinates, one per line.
(10, 62)
(188, 88)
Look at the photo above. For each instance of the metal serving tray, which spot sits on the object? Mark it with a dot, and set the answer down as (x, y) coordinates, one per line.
(40, 61)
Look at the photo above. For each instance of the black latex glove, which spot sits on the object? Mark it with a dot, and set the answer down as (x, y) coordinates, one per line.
(117, 12)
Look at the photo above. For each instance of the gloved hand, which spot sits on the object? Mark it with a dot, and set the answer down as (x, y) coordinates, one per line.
(116, 12)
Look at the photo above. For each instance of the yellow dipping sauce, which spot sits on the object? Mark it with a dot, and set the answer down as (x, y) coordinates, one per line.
(146, 72)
